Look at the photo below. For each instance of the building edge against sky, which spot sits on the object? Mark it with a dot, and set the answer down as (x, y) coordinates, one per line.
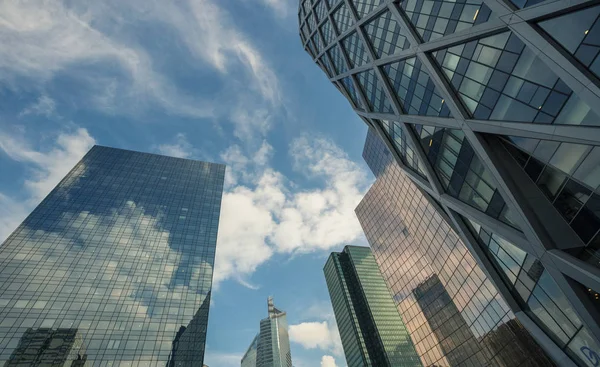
(497, 121)
(371, 329)
(121, 255)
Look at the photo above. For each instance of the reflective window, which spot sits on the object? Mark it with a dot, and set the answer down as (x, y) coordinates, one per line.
(306, 5)
(498, 78)
(434, 19)
(328, 67)
(533, 286)
(318, 43)
(335, 54)
(343, 19)
(525, 3)
(453, 313)
(320, 11)
(355, 50)
(328, 32)
(378, 102)
(415, 89)
(305, 31)
(311, 48)
(579, 34)
(312, 25)
(351, 91)
(568, 174)
(364, 7)
(114, 266)
(386, 35)
(461, 172)
(404, 147)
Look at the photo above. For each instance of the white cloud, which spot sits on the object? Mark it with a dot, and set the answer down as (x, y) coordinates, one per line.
(180, 147)
(12, 213)
(50, 166)
(328, 361)
(44, 106)
(317, 335)
(262, 213)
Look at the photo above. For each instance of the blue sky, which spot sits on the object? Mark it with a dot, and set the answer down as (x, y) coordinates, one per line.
(217, 80)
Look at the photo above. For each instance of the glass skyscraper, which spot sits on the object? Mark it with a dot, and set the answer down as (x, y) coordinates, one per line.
(114, 267)
(271, 346)
(371, 329)
(492, 108)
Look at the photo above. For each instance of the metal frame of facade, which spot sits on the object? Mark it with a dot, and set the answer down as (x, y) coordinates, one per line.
(544, 233)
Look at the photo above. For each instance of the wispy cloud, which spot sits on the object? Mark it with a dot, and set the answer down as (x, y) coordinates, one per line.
(42, 39)
(44, 106)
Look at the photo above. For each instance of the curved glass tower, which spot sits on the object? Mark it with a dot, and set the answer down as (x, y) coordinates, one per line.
(492, 109)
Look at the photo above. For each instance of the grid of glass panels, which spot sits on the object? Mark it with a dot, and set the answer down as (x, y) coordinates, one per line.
(525, 3)
(312, 24)
(122, 252)
(355, 50)
(434, 19)
(579, 34)
(318, 43)
(364, 7)
(569, 175)
(498, 78)
(335, 54)
(351, 91)
(454, 314)
(328, 33)
(386, 35)
(320, 11)
(376, 98)
(461, 172)
(343, 19)
(404, 147)
(416, 91)
(543, 300)
(328, 67)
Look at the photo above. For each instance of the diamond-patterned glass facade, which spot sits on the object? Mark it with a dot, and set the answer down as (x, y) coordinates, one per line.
(335, 54)
(321, 11)
(351, 90)
(343, 19)
(355, 50)
(498, 78)
(579, 33)
(461, 172)
(470, 91)
(533, 286)
(415, 89)
(328, 67)
(435, 19)
(386, 35)
(364, 7)
(328, 33)
(318, 43)
(404, 147)
(375, 95)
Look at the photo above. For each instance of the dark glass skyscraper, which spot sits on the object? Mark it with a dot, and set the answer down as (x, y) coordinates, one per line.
(118, 257)
(498, 121)
(371, 329)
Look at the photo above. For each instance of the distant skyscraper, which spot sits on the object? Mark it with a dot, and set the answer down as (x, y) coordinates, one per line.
(497, 120)
(120, 252)
(370, 326)
(271, 347)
